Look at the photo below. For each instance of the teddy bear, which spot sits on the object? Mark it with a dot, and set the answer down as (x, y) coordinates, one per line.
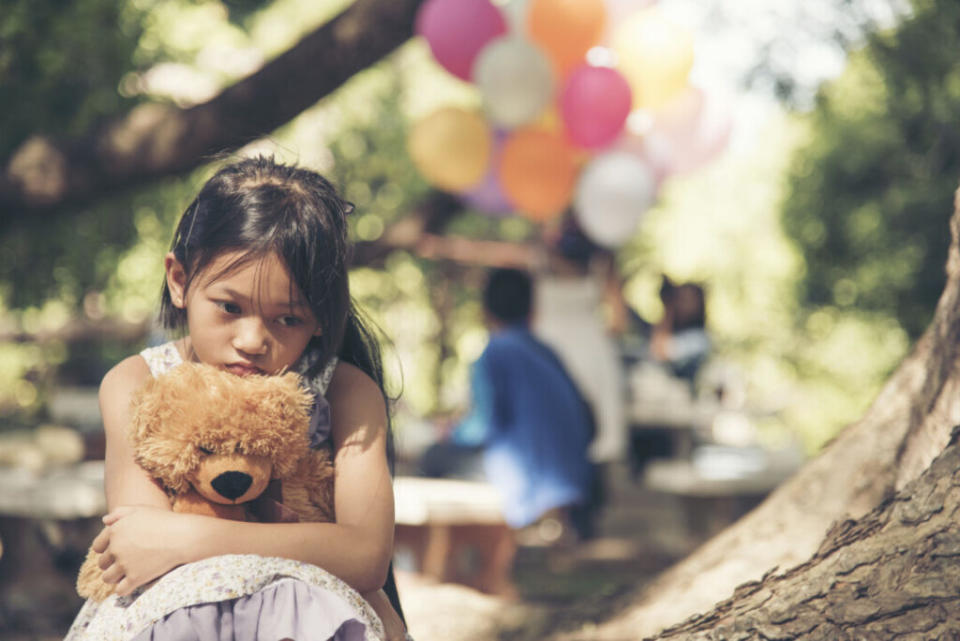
(227, 446)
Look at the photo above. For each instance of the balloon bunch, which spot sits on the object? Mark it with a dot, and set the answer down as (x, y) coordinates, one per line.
(560, 80)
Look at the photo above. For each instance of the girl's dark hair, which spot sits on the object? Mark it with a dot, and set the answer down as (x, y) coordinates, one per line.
(258, 206)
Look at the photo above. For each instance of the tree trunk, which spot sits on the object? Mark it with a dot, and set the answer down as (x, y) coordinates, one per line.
(889, 575)
(908, 425)
(156, 140)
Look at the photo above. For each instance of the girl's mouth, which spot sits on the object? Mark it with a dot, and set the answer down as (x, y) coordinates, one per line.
(241, 369)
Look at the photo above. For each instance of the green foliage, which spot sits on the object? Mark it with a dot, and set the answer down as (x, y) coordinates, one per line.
(872, 190)
(60, 64)
(807, 372)
(865, 205)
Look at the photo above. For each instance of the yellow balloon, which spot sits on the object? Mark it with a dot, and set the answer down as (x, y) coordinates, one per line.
(655, 55)
(451, 148)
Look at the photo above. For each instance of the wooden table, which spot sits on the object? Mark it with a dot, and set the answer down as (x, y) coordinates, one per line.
(714, 499)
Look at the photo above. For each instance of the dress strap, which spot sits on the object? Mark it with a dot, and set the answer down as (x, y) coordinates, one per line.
(327, 375)
(162, 358)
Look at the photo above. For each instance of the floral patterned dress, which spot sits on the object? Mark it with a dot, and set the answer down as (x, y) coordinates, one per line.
(234, 597)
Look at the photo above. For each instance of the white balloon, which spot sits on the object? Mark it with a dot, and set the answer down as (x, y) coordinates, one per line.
(515, 80)
(515, 12)
(613, 192)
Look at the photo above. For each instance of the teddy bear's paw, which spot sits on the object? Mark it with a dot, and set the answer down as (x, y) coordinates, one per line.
(90, 583)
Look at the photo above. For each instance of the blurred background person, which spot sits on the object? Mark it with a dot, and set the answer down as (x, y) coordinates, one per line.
(680, 340)
(529, 427)
(579, 312)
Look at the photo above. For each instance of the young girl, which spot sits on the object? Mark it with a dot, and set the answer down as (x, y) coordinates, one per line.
(256, 282)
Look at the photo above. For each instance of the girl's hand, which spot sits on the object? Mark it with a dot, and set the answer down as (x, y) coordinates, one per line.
(138, 545)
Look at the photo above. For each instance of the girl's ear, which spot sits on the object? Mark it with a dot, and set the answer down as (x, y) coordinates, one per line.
(176, 280)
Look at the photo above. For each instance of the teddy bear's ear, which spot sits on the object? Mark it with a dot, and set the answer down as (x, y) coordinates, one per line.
(143, 404)
(159, 427)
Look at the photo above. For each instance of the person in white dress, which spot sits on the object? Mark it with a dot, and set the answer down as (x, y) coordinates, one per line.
(579, 310)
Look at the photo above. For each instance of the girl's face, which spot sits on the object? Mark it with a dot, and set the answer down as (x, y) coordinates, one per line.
(249, 320)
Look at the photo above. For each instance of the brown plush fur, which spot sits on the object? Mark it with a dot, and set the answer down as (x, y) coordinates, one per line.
(194, 424)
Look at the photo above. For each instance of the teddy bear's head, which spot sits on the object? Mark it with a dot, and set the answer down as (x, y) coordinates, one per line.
(223, 434)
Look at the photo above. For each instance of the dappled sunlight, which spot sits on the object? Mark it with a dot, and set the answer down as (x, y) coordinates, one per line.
(797, 161)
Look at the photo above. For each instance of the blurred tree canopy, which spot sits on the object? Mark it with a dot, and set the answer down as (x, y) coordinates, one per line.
(60, 64)
(872, 189)
(865, 203)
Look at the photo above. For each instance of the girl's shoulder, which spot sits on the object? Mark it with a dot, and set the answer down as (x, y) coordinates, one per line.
(350, 383)
(357, 403)
(123, 379)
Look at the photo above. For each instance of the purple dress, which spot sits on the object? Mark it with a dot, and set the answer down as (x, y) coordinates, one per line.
(233, 597)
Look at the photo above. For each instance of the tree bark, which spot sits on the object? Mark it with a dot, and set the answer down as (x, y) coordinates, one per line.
(888, 575)
(45, 176)
(907, 426)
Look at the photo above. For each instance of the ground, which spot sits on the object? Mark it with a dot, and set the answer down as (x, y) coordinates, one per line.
(640, 534)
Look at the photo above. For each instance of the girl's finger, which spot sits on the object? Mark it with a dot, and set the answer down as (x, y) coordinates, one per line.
(101, 541)
(105, 561)
(113, 575)
(116, 515)
(124, 587)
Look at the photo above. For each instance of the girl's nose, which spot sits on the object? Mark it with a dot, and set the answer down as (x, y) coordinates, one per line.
(251, 337)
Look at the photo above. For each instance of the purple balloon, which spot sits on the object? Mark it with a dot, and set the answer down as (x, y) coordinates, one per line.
(488, 196)
(595, 103)
(457, 30)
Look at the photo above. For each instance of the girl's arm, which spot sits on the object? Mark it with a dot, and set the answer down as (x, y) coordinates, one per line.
(125, 482)
(147, 542)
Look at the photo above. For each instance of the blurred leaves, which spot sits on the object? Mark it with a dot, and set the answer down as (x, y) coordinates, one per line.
(871, 190)
(822, 248)
(60, 64)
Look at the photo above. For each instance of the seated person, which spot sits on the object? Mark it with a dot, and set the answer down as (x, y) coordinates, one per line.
(680, 339)
(529, 428)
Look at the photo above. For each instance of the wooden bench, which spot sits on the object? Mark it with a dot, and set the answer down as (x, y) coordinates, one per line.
(448, 530)
(47, 520)
(453, 531)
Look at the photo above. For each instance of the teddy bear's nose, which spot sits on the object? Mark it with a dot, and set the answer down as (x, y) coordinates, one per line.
(231, 485)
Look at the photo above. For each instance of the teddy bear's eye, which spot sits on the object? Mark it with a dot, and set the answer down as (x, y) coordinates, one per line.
(205, 450)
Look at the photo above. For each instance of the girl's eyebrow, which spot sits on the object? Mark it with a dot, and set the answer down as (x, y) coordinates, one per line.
(298, 303)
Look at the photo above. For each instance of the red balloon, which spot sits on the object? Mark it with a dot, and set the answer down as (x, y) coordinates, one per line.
(595, 103)
(457, 30)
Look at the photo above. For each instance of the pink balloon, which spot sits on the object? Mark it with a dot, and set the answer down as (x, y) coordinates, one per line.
(457, 30)
(695, 127)
(594, 103)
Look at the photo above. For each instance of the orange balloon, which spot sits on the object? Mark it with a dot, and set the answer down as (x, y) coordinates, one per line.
(566, 29)
(538, 171)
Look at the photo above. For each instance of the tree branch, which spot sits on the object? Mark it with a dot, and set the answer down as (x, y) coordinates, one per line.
(421, 233)
(45, 176)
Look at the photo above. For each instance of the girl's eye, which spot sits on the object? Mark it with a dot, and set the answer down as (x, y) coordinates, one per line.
(290, 321)
(205, 450)
(230, 308)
